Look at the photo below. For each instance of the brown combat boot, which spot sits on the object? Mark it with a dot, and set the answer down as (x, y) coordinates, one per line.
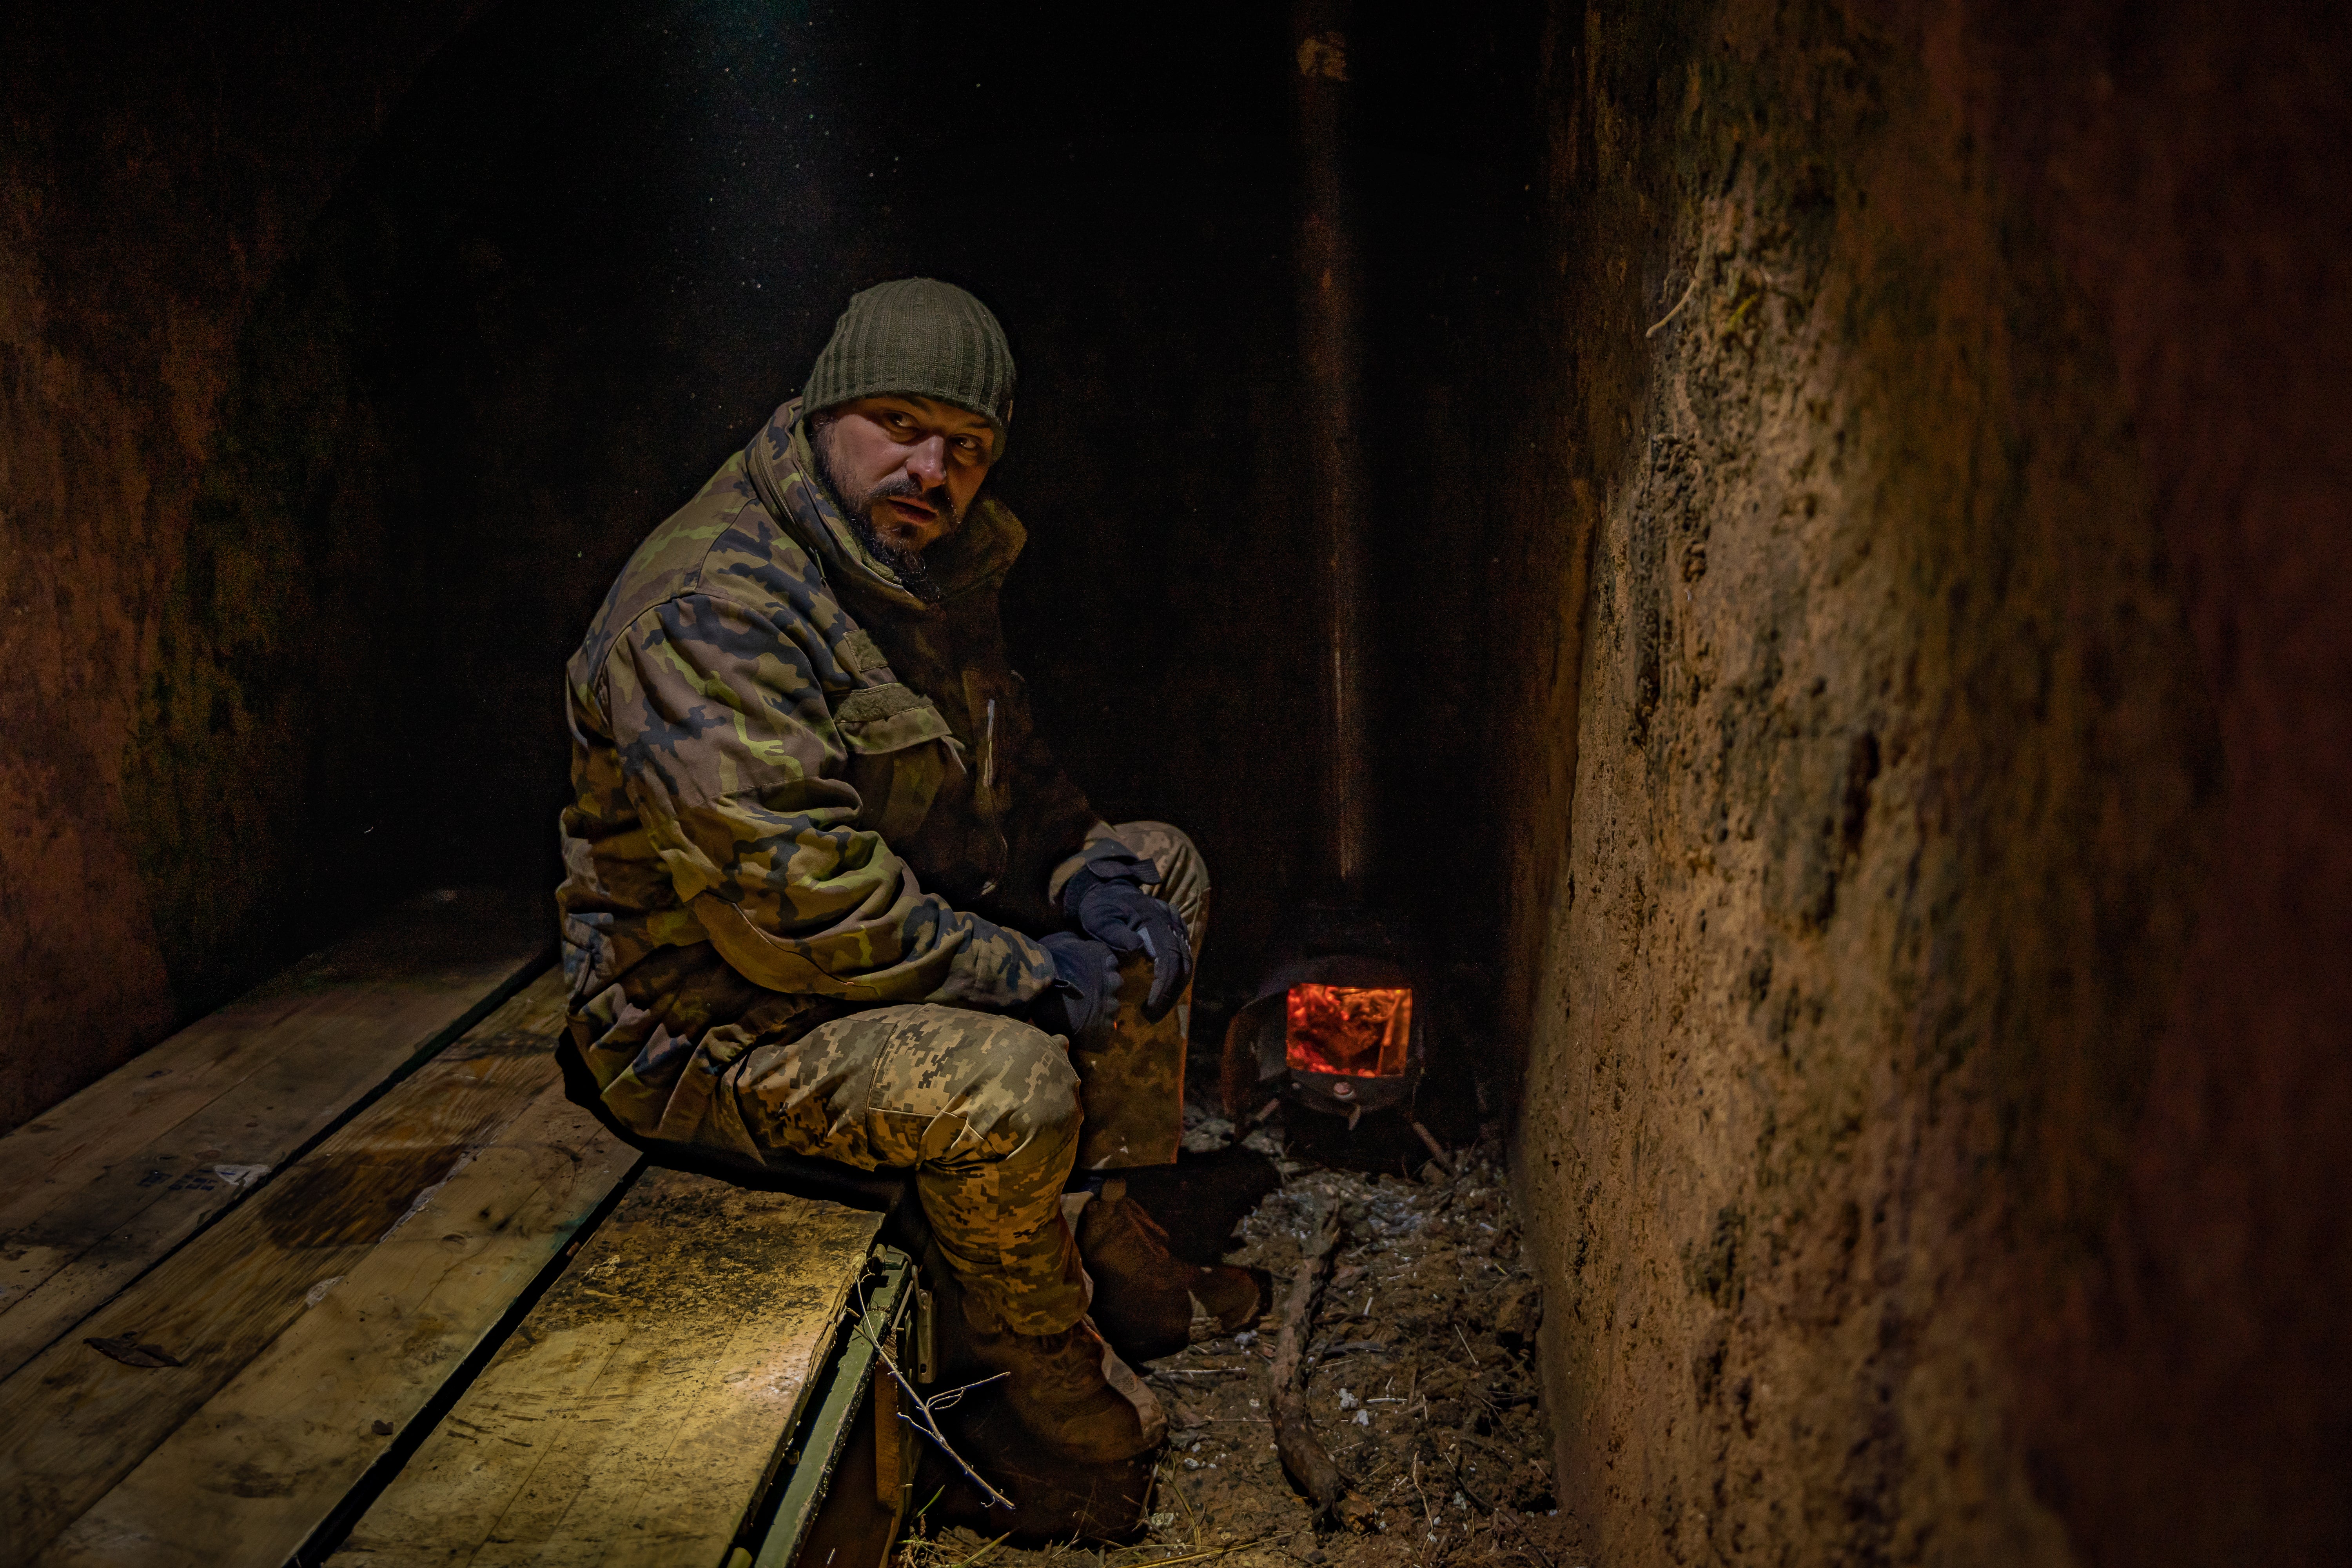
(1052, 1498)
(1144, 1293)
(1073, 1395)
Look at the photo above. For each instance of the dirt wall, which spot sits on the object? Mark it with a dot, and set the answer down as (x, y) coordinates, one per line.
(1922, 903)
(173, 558)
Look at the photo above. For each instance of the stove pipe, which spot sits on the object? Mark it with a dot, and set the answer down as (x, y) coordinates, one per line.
(1338, 1026)
(1328, 332)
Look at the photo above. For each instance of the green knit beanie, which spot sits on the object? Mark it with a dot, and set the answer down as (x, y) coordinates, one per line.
(917, 337)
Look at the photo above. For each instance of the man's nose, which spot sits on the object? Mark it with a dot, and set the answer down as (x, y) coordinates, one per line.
(928, 461)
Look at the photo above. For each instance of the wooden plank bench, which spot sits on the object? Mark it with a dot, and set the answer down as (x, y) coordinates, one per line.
(101, 1188)
(342, 1269)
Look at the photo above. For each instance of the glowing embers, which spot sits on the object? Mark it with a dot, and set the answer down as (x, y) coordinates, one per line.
(1354, 1031)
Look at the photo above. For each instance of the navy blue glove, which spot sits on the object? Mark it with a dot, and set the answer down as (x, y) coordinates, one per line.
(1085, 992)
(1105, 899)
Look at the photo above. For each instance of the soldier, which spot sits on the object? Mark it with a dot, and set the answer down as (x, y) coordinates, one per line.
(828, 895)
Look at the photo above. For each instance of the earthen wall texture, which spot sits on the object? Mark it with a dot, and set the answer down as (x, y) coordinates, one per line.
(1928, 806)
(176, 558)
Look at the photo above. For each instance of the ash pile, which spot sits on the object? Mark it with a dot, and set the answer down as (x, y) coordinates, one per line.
(1416, 1364)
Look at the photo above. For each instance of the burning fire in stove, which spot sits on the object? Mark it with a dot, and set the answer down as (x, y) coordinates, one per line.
(1350, 1030)
(1337, 1033)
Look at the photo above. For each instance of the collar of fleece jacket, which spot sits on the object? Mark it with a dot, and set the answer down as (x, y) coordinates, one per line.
(972, 559)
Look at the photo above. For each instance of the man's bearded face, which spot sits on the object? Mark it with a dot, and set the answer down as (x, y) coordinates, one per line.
(904, 471)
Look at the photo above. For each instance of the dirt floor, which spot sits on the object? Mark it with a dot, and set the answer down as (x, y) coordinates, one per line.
(1421, 1375)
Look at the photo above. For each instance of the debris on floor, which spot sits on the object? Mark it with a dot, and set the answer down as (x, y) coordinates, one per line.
(1420, 1379)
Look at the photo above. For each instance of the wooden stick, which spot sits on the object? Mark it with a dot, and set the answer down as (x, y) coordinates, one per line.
(1303, 1454)
(1445, 1160)
(1195, 1556)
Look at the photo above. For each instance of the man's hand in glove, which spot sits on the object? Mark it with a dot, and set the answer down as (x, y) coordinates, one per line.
(1085, 992)
(1105, 899)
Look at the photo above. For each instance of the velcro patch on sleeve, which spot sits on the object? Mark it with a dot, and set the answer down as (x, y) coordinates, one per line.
(861, 653)
(871, 702)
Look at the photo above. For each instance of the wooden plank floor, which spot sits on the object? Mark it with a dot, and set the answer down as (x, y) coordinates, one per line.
(75, 1421)
(630, 1417)
(255, 1471)
(95, 1190)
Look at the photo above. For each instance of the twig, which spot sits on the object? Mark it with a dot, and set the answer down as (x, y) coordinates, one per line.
(1303, 1454)
(1196, 1556)
(968, 1561)
(1181, 1496)
(927, 1409)
(1660, 325)
(1198, 1371)
(1463, 1482)
(1436, 1150)
(1518, 1523)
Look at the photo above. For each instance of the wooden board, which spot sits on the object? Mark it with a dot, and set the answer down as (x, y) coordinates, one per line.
(75, 1421)
(630, 1418)
(267, 1459)
(95, 1190)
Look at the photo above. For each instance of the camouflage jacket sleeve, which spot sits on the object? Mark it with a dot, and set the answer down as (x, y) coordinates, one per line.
(735, 765)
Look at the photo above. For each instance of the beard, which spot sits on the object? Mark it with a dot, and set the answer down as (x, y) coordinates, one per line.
(857, 507)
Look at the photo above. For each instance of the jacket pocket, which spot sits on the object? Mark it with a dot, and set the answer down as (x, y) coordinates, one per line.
(900, 752)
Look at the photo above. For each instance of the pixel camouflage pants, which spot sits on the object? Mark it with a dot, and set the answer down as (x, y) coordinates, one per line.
(992, 1113)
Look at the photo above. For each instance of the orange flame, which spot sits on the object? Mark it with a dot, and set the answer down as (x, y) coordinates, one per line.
(1358, 1032)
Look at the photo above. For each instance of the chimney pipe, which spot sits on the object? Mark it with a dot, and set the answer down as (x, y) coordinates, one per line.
(1328, 327)
(1338, 1026)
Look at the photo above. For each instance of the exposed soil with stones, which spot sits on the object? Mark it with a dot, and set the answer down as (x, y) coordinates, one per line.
(1420, 1375)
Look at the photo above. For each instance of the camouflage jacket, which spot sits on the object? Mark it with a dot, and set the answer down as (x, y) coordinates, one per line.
(797, 787)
